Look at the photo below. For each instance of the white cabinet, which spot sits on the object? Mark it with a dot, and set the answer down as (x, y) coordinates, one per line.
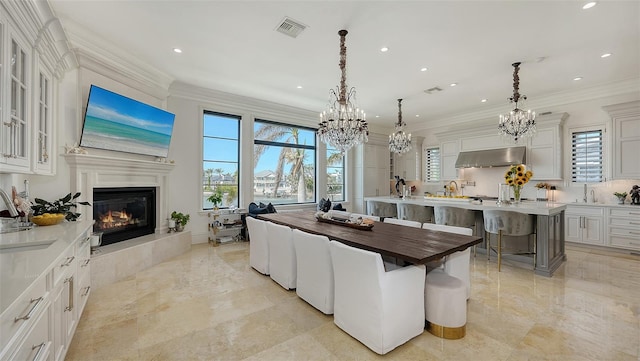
(371, 171)
(584, 225)
(43, 127)
(449, 151)
(544, 155)
(409, 165)
(16, 101)
(624, 227)
(626, 139)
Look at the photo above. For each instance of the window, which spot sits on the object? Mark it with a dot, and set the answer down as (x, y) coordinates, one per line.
(220, 155)
(586, 156)
(284, 158)
(335, 175)
(432, 165)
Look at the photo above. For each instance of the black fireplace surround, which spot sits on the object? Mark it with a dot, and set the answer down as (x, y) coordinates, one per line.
(124, 213)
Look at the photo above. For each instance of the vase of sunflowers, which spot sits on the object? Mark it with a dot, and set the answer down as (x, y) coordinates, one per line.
(516, 177)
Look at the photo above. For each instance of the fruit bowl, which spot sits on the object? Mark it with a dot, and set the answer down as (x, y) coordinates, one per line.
(48, 219)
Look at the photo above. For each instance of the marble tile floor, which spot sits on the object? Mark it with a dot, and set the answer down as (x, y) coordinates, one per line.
(208, 304)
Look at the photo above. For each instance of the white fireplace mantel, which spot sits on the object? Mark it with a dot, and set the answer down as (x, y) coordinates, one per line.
(93, 171)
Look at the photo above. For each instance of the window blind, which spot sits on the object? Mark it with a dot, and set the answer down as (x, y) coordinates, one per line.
(432, 165)
(586, 156)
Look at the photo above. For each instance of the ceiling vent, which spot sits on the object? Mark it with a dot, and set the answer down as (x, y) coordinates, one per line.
(435, 89)
(290, 27)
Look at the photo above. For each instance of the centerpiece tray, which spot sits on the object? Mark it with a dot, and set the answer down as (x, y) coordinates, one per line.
(345, 223)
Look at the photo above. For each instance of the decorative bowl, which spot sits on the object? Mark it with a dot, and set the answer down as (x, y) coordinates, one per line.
(48, 219)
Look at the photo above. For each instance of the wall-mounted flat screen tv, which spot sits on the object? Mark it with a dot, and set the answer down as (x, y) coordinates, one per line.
(115, 122)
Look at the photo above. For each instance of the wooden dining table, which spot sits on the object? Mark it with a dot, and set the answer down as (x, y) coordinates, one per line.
(413, 245)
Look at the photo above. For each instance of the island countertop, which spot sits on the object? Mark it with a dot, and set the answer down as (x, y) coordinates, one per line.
(25, 256)
(528, 207)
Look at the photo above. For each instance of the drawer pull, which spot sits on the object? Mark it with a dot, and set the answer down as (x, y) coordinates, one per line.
(30, 313)
(69, 260)
(70, 281)
(86, 262)
(86, 292)
(630, 232)
(86, 240)
(635, 223)
(634, 213)
(40, 347)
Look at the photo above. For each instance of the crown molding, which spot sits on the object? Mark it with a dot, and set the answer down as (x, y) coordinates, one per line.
(630, 86)
(95, 54)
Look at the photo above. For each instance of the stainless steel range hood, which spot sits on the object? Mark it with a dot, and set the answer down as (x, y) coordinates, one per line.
(492, 158)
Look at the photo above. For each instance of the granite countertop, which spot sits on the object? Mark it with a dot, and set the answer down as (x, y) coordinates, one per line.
(27, 255)
(528, 207)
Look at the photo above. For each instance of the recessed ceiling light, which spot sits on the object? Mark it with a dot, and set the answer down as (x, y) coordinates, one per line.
(453, 84)
(177, 50)
(605, 55)
(577, 78)
(384, 49)
(377, 116)
(423, 69)
(299, 87)
(589, 5)
(484, 100)
(417, 115)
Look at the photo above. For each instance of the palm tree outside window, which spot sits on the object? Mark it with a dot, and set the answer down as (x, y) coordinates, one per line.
(335, 175)
(284, 158)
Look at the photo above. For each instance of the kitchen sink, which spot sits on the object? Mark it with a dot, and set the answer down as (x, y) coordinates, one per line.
(25, 246)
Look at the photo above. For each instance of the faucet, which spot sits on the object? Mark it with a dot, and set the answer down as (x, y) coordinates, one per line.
(9, 203)
(593, 196)
(456, 188)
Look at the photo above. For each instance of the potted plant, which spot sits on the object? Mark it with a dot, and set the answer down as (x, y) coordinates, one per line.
(180, 219)
(63, 206)
(215, 198)
(621, 196)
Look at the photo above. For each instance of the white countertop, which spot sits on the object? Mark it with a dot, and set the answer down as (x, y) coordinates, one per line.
(528, 207)
(20, 267)
(608, 205)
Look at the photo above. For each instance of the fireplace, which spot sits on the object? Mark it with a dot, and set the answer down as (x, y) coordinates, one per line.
(123, 213)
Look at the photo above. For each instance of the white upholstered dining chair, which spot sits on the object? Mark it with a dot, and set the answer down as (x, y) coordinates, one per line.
(258, 245)
(314, 280)
(381, 309)
(456, 264)
(282, 255)
(403, 222)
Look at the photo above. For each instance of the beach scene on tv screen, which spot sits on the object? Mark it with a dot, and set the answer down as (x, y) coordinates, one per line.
(115, 122)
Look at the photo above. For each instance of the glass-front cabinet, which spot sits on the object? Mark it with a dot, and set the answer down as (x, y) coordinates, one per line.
(16, 100)
(31, 63)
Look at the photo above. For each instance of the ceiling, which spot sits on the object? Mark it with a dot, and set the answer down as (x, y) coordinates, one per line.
(232, 46)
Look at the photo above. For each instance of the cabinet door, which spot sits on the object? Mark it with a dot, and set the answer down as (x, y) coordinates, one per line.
(544, 154)
(16, 137)
(449, 156)
(627, 148)
(573, 224)
(43, 127)
(592, 231)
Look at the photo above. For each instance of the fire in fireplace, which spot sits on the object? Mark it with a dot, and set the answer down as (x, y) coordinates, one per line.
(124, 213)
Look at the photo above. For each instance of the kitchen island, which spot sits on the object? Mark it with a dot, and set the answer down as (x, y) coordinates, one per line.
(549, 224)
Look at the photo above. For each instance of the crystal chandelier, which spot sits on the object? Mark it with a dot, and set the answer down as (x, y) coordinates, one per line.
(343, 124)
(517, 123)
(399, 141)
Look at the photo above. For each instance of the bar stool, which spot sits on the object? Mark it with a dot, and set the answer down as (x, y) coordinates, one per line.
(508, 223)
(415, 212)
(457, 217)
(382, 209)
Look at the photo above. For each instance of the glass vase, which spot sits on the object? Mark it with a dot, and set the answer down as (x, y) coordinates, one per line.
(516, 193)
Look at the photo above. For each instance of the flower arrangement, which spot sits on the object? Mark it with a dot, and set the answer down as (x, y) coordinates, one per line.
(516, 177)
(546, 186)
(63, 205)
(621, 197)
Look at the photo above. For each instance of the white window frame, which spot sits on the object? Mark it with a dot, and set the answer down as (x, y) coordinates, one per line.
(604, 152)
(425, 152)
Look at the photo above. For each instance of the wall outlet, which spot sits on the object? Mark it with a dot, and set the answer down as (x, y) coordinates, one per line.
(470, 183)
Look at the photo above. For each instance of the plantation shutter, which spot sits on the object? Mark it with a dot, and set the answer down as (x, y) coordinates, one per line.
(432, 165)
(586, 156)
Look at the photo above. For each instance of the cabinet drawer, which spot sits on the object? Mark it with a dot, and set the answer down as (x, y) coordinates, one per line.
(585, 211)
(626, 232)
(66, 262)
(625, 242)
(625, 222)
(627, 213)
(36, 345)
(19, 316)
